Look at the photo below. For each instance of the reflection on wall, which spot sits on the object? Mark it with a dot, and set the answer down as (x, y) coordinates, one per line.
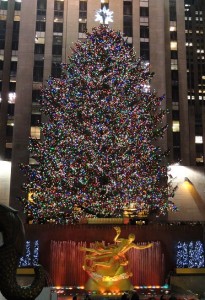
(5, 173)
(190, 196)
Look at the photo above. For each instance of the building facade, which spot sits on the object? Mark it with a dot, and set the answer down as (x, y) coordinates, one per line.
(37, 35)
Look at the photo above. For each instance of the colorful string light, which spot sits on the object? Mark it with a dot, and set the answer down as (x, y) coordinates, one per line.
(98, 153)
(190, 255)
(31, 257)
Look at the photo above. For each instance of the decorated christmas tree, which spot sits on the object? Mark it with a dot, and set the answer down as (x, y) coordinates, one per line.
(99, 150)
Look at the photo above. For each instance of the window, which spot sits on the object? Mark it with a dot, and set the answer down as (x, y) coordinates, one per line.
(199, 159)
(144, 31)
(36, 108)
(1, 64)
(58, 27)
(13, 68)
(41, 15)
(9, 130)
(174, 54)
(144, 50)
(40, 26)
(35, 132)
(40, 40)
(198, 139)
(58, 5)
(199, 153)
(15, 45)
(10, 113)
(172, 28)
(41, 4)
(12, 86)
(127, 24)
(2, 33)
(144, 12)
(57, 40)
(127, 8)
(35, 120)
(127, 18)
(57, 59)
(83, 5)
(175, 115)
(3, 5)
(176, 138)
(58, 15)
(17, 5)
(173, 35)
(175, 126)
(11, 97)
(39, 48)
(176, 153)
(82, 27)
(57, 50)
(173, 45)
(58, 9)
(175, 75)
(2, 44)
(56, 70)
(8, 152)
(190, 80)
(144, 3)
(172, 10)
(199, 128)
(36, 94)
(15, 36)
(175, 93)
(83, 10)
(41, 9)
(38, 71)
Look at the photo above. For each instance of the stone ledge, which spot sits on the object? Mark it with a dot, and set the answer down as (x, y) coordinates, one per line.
(190, 271)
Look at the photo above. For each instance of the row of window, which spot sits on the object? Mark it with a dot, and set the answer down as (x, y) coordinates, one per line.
(58, 26)
(4, 5)
(144, 30)
(57, 41)
(35, 133)
(41, 26)
(36, 120)
(127, 18)
(82, 18)
(194, 44)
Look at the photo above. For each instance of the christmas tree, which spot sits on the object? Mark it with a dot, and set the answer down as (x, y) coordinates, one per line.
(98, 153)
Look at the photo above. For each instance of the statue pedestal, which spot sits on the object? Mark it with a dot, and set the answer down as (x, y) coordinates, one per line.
(121, 285)
(109, 280)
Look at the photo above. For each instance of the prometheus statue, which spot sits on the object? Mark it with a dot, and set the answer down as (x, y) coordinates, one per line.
(105, 264)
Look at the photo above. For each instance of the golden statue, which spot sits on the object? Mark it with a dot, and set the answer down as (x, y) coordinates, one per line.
(105, 264)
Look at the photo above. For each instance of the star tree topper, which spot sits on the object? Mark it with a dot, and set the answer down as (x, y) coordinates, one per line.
(104, 16)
